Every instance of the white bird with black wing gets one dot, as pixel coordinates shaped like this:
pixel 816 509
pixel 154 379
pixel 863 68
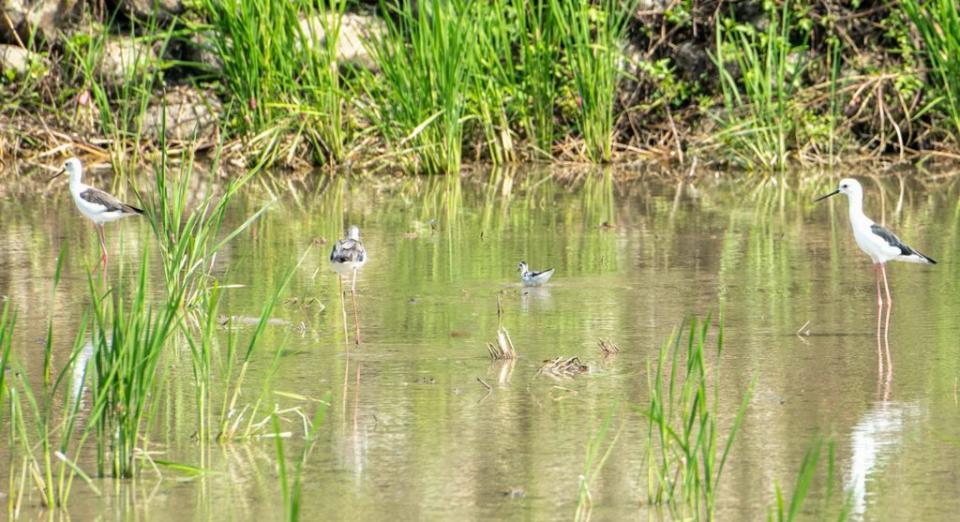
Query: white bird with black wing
pixel 530 278
pixel 99 206
pixel 879 243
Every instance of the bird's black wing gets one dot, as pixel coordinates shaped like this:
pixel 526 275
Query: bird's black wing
pixel 894 241
pixel 890 238
pixel 347 251
pixel 112 204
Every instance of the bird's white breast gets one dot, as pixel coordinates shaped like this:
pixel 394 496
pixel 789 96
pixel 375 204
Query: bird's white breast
pixel 873 245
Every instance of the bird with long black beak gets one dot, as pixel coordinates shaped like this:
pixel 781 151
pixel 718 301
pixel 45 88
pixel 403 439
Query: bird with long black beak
pixel 880 244
pixel 97 205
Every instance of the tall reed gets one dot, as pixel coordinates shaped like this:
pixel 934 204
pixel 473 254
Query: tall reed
pixel 685 458
pixel 759 122
pixel 128 339
pixel 281 73
pixel 595 35
pixel 938 22
pixel 421 99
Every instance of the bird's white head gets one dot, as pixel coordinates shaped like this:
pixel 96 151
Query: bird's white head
pixel 353 233
pixel 849 187
pixel 522 267
pixel 74 168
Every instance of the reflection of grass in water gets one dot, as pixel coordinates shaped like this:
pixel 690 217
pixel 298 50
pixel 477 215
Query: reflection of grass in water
pixel 44 433
pixel 291 493
pixel 593 463
pixel 684 462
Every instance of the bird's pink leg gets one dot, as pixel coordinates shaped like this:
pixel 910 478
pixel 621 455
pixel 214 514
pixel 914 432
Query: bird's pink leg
pixel 356 314
pixel 103 247
pixel 876 272
pixel 886 331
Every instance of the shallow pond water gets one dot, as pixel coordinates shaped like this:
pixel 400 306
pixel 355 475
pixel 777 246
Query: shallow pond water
pixel 412 433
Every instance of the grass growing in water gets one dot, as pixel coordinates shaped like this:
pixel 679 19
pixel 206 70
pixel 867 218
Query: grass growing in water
pixel 128 340
pixel 684 459
pixel 592 465
pixel 45 429
pixel 188 228
pixel 291 492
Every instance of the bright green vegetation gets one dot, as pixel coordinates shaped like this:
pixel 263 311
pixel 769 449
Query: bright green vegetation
pixel 762 115
pixel 105 397
pixel 939 24
pixel 787 510
pixel 686 452
pixel 428 86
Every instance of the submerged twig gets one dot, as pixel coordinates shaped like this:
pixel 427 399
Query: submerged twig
pixel 608 348
pixel 563 367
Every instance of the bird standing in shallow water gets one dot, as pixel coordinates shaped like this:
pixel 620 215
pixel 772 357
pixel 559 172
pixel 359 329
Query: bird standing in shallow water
pixel 529 278
pixel 99 206
pixel 348 254
pixel 880 244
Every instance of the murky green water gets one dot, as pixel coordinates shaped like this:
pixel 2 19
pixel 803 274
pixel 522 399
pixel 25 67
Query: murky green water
pixel 412 434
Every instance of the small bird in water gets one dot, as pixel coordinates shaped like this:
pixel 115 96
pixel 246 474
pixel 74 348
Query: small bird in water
pixel 533 278
pixel 99 206
pixel 348 255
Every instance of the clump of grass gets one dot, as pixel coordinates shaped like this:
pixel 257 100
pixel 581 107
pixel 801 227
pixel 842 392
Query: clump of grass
pixel 188 226
pixel 121 103
pixel 128 340
pixel 938 22
pixel 503 349
pixel 280 78
pixel 421 99
pixel 684 458
pixel 759 122
pixel 594 35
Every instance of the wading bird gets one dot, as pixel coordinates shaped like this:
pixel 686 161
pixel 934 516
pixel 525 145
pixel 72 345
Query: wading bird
pixel 99 206
pixel 879 243
pixel 533 278
pixel 349 255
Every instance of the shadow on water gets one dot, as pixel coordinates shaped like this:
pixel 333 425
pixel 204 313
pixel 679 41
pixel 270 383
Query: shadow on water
pixel 423 425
